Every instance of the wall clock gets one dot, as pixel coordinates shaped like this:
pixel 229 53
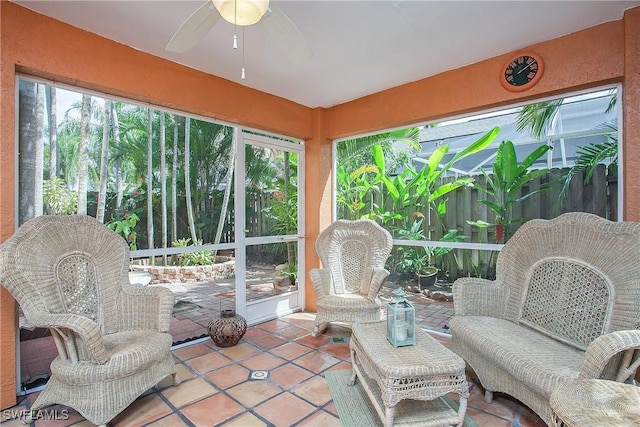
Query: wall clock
pixel 521 72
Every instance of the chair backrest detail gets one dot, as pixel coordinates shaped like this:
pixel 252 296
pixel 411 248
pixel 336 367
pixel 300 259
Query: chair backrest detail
pixel 575 266
pixel 572 314
pixel 66 264
pixel 77 282
pixel 351 250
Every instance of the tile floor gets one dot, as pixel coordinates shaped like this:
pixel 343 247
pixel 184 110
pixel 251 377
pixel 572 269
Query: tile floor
pixel 216 388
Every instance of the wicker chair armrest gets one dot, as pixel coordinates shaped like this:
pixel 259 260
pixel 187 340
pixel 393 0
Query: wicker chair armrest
pixel 479 297
pixel 604 348
pixel 84 327
pixel 321 279
pixel 150 308
pixel 377 279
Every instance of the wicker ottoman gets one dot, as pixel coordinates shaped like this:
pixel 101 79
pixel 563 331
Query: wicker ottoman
pixel 595 403
pixel 405 384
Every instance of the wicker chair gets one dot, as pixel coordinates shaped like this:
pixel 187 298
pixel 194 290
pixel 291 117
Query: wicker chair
pixel 353 255
pixel 565 304
pixel 70 274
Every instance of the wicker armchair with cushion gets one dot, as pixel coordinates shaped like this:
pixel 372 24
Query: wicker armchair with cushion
pixel 353 255
pixel 70 274
pixel 565 304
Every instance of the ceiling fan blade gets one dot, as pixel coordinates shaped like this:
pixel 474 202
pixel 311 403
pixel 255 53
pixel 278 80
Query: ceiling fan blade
pixel 284 32
pixel 194 28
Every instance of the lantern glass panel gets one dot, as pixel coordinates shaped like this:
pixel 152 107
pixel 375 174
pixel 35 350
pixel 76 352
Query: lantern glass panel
pixel 401 323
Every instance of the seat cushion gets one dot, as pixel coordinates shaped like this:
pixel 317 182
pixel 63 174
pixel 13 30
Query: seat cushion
pixel 128 352
pixel 347 301
pixel 528 355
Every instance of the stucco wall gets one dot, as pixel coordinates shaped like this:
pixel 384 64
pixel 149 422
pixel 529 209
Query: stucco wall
pixel 44 47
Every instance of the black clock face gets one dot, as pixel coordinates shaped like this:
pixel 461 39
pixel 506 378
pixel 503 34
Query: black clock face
pixel 521 70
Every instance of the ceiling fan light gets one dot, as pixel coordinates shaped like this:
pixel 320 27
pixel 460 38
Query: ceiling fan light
pixel 241 12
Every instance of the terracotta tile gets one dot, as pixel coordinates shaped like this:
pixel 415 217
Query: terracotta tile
pixel 192 351
pixel 239 351
pixel 143 411
pixel 188 392
pixel 314 390
pixel 228 376
pixel 212 410
pixel 284 409
pixel 289 375
pixel 245 420
pixel 55 416
pixel 172 420
pixel 207 362
pixel 331 408
pixel 321 419
pixel 314 342
pixel 293 332
pixel 262 361
pixel 290 350
pixel 341 365
pixel 251 393
pixel 316 361
pixel 487 420
pixel 267 342
pixel 339 350
pixel 273 325
pixel 528 418
pixel 253 333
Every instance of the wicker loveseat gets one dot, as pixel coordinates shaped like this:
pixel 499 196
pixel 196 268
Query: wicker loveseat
pixel 565 304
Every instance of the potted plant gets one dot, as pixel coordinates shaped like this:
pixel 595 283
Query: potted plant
pixel 417 259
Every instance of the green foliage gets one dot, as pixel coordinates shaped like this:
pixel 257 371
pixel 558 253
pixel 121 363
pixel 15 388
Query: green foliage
pixel 589 157
pixel 193 258
pixel 58 199
pixel 417 259
pixel 505 183
pixel 408 188
pixel 125 227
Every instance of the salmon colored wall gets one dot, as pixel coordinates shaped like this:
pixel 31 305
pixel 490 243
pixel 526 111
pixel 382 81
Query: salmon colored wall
pixel 591 57
pixel 38 45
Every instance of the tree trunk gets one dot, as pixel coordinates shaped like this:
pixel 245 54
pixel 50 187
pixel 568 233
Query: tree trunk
pixel 187 181
pixel 118 161
pixel 83 155
pixel 163 184
pixel 104 159
pixel 150 242
pixel 53 132
pixel 228 186
pixel 27 146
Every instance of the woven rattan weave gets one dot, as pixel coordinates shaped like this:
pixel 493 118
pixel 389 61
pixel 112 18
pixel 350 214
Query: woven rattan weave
pixel 353 255
pixel 70 274
pixel 405 383
pixel 565 304
pixel 595 403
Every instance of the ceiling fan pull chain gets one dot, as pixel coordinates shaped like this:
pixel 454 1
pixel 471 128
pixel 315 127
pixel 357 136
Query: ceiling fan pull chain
pixel 242 76
pixel 235 24
pixel 235 41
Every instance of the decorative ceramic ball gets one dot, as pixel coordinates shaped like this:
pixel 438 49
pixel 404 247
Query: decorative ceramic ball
pixel 228 329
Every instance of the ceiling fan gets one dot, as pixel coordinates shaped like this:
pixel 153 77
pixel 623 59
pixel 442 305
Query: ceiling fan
pixel 277 25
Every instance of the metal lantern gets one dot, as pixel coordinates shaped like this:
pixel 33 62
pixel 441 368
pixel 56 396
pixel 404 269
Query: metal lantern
pixel 401 320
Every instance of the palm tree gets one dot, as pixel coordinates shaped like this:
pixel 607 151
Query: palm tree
pixel 104 160
pixel 53 131
pixel 28 166
pixel 150 241
pixel 187 181
pixel 83 154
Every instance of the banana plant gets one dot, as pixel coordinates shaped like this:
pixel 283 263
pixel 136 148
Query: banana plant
pixel 411 187
pixel 505 183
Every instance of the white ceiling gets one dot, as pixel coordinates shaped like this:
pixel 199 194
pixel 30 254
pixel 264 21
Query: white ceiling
pixel 359 47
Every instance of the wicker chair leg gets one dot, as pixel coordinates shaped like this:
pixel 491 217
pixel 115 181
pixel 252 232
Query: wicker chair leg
pixel 176 379
pixel 488 396
pixel 319 329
